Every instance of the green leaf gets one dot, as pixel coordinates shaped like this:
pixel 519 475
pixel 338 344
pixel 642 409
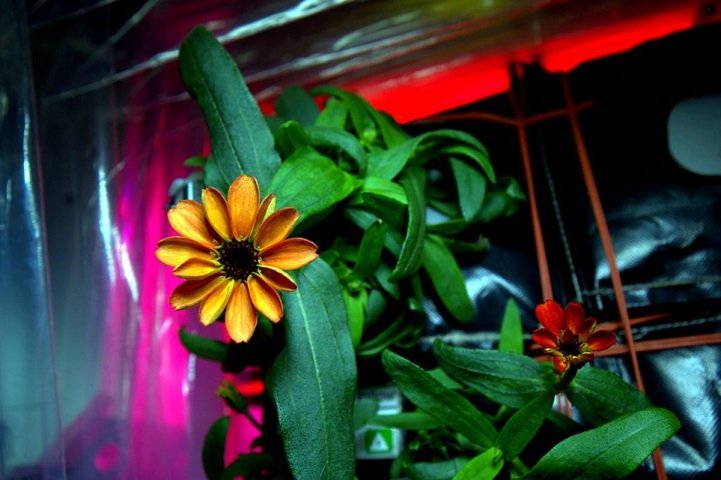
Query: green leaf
pixel 506 378
pixel 436 470
pixel 511 339
pixel 375 308
pixel 608 452
pixel 601 396
pixel 325 138
pixel 214 449
pixel 370 249
pixel 399 328
pixel 418 420
pixel 355 307
pixel 334 114
pixel 445 380
pixel 443 404
pixel 523 425
pixel 482 467
pixel 476 153
pixel 248 464
pixel 457 246
pixel 239 137
pixel 212 176
pixel 502 200
pixel 387 189
pixel 197 161
pixel 471 187
pixel 388 163
pixel 311 183
pixel 313 380
pixel 363 410
pixel 232 397
pixel 203 347
pixel 294 103
pixel 364 117
pixel 386 199
pixel 289 137
pixel 447 278
pixel 411 255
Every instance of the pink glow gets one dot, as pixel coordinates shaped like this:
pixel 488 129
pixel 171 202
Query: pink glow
pixel 107 458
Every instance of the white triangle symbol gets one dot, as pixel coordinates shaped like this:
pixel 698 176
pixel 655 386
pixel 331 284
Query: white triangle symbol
pixel 379 444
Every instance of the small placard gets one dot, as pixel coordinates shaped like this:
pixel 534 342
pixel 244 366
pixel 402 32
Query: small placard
pixel 376 442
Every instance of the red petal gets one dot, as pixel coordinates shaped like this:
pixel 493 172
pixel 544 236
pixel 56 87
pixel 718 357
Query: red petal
pixel 587 328
pixel 545 338
pixel 550 314
pixel 560 363
pixel 601 340
pixel 574 316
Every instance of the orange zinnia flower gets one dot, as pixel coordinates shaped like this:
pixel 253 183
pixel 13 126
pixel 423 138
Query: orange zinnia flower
pixel 569 336
pixel 233 256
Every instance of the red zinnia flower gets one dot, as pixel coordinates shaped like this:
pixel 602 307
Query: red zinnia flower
pixel 569 336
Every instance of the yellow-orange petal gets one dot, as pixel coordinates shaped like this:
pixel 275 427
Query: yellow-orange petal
pixel 195 269
pixel 216 210
pixel 192 292
pixel 173 251
pixel 265 298
pixel 187 218
pixel 243 199
pixel 241 317
pixel 267 207
pixel 215 302
pixel 277 278
pixel 290 254
pixel 276 227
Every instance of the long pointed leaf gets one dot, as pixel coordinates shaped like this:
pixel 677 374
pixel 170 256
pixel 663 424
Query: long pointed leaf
pixel 443 404
pixel 601 396
pixel 609 452
pixel 447 278
pixel 520 429
pixel 411 255
pixel 313 379
pixel 511 339
pixel 214 449
pixel 239 137
pixel 506 378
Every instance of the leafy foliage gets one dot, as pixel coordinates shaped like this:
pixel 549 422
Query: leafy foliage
pixel 366 192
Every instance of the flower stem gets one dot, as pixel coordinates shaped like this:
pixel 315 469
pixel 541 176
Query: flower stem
pixel 568 377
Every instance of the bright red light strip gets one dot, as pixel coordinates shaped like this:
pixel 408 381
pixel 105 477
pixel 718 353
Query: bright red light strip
pixel 419 94
pixel 565 54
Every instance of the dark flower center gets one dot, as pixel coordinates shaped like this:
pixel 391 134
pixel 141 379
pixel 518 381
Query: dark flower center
pixel 239 259
pixel 569 345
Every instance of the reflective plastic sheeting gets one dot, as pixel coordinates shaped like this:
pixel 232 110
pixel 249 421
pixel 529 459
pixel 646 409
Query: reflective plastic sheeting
pixel 29 414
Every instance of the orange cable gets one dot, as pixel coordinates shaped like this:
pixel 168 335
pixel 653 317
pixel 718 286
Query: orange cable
pixel 607 243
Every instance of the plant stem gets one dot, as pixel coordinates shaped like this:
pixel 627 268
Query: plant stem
pixel 520 466
pixel 567 377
